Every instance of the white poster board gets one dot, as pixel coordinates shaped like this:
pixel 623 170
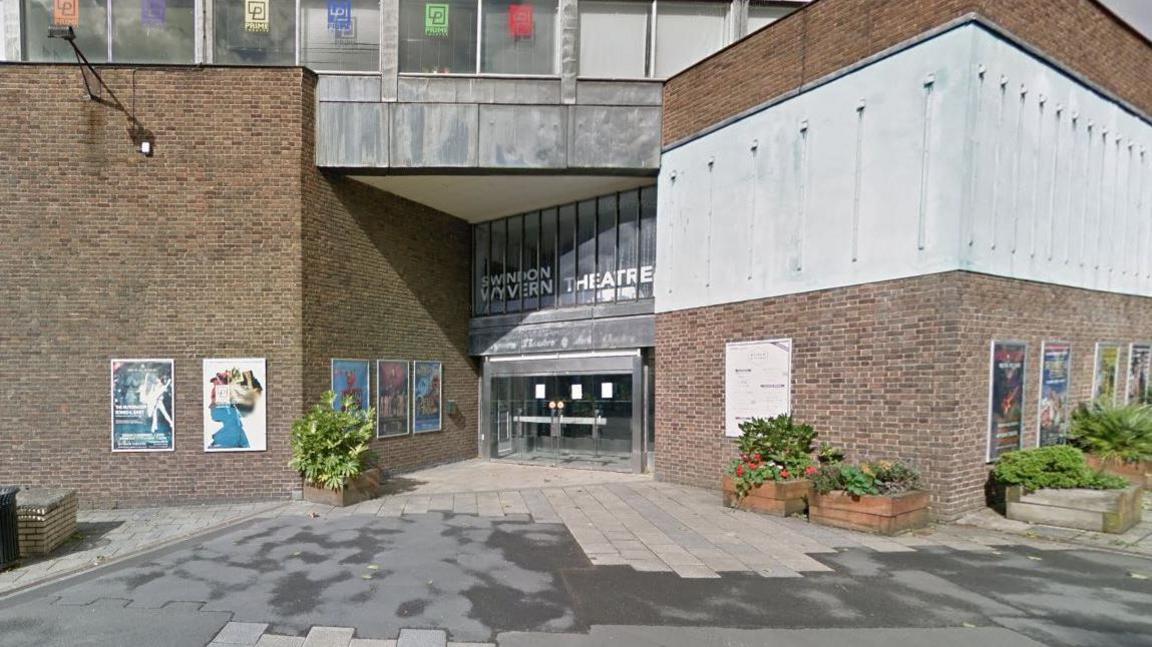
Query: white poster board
pixel 757 381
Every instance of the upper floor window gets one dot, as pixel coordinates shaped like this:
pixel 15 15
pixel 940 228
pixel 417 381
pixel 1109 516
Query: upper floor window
pixel 340 35
pixel 141 31
pixel 762 15
pixel 478 36
pixel 254 32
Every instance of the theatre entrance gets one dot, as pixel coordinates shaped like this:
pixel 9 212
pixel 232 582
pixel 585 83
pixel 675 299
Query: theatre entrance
pixel 584 411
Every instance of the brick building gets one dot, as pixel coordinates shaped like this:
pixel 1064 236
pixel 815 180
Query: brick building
pixel 569 216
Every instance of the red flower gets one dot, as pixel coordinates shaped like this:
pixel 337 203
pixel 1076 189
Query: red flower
pixel 810 470
pixel 756 457
pixel 739 470
pixel 785 474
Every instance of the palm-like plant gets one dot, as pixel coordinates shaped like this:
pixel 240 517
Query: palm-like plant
pixel 330 447
pixel 1115 433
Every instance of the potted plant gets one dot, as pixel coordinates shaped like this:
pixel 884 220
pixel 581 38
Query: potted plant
pixel 770 474
pixel 1117 439
pixel 330 450
pixel 882 497
pixel 1055 486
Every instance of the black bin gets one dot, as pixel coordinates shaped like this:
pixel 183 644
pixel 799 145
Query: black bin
pixel 9 533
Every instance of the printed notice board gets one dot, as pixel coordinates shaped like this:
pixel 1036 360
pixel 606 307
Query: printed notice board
pixel 757 381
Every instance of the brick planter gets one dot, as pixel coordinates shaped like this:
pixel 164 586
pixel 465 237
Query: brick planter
pixel 1137 473
pixel 46 519
pixel 780 499
pixel 363 488
pixel 882 515
pixel 1112 511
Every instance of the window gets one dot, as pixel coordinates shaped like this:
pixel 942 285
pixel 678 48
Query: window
pixel 614 39
pixel 687 32
pixel 760 16
pixel 153 31
pixel 91 27
pixel 341 35
pixel 438 37
pixel 519 37
pixel 245 35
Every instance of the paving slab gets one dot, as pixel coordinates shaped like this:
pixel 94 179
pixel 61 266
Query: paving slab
pixel 240 633
pixel 422 638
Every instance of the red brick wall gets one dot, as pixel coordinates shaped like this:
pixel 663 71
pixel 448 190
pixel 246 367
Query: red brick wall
pixel 894 369
pixel 828 35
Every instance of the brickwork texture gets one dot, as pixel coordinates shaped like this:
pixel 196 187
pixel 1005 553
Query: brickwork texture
pixel 894 369
pixel 200 251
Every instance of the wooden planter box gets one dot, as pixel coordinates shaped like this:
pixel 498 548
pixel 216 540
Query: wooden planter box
pixel 780 499
pixel 363 488
pixel 1113 511
pixel 45 519
pixel 1137 473
pixel 883 515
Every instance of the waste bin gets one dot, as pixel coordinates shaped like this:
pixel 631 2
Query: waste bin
pixel 9 531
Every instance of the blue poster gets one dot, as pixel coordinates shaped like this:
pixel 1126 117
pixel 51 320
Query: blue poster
pixel 142 405
pixel 426 383
pixel 340 16
pixel 1054 393
pixel 235 405
pixel 153 12
pixel 350 380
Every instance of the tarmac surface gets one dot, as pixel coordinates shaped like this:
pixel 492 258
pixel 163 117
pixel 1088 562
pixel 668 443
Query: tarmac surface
pixel 513 581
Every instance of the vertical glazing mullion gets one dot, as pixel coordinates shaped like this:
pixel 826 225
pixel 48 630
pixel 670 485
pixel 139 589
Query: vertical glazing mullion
pixel 479 32
pixel 108 26
pixel 616 247
pixel 299 26
pixel 652 41
pixel 556 281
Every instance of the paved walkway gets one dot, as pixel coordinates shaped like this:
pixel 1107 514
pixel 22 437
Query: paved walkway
pixel 107 535
pixel 1137 540
pixel 480 475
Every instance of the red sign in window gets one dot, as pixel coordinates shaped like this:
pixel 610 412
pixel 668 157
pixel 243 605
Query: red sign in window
pixel 66 13
pixel 520 20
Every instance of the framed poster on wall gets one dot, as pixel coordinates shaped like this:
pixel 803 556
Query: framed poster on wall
pixel 427 412
pixel 757 381
pixel 142 405
pixel 1055 368
pixel 1106 375
pixel 1139 387
pixel 351 378
pixel 1005 397
pixel 393 384
pixel 235 409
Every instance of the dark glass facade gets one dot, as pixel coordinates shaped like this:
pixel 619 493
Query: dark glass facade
pixel 601 250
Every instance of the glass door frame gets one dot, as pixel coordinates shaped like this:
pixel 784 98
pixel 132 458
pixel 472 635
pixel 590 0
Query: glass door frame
pixel 560 364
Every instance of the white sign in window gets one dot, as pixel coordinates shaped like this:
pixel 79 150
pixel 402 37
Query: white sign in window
pixel 757 381
pixel 577 391
pixel 541 392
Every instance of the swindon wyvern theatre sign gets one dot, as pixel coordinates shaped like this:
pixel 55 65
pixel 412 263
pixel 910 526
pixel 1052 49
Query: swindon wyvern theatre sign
pixel 504 286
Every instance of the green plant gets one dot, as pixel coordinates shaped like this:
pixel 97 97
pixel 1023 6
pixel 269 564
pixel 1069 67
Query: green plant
pixel 1058 466
pixel 893 477
pixel 829 455
pixel 879 477
pixel 329 447
pixel 1120 433
pixel 771 449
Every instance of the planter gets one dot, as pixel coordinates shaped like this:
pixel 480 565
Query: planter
pixel 47 519
pixel 1113 511
pixel 882 515
pixel 781 499
pixel 1137 473
pixel 364 487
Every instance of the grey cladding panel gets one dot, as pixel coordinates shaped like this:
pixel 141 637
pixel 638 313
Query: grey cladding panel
pixel 523 136
pixel 592 334
pixel 620 93
pixel 614 137
pixel 352 134
pixel 478 90
pixel 434 134
pixel 334 87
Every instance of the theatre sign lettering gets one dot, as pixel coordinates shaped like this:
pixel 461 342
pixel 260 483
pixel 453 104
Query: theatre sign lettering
pixel 540 282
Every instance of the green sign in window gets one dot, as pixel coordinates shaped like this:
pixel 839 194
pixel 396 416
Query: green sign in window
pixel 435 19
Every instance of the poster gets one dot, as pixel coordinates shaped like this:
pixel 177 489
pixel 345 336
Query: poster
pixel 426 392
pixel 351 378
pixel 142 412
pixel 520 21
pixel 1055 367
pixel 1107 372
pixel 340 16
pixel 1139 389
pixel 153 12
pixel 757 381
pixel 1005 419
pixel 392 388
pixel 256 16
pixel 235 405
pixel 436 20
pixel 66 13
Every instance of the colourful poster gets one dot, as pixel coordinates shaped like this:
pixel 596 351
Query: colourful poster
pixel 520 21
pixel 1139 389
pixel 351 379
pixel 235 409
pixel 436 20
pixel 1005 419
pixel 340 16
pixel 142 412
pixel 1107 373
pixel 392 387
pixel 1055 367
pixel 153 12
pixel 426 391
pixel 66 13
pixel 256 16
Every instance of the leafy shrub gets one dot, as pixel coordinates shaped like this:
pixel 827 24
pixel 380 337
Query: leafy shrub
pixel 772 449
pixel 879 477
pixel 894 477
pixel 329 447
pixel 1058 466
pixel 1120 433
